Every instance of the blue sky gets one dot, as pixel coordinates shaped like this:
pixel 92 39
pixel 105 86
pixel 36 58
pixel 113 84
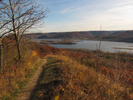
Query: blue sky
pixel 86 15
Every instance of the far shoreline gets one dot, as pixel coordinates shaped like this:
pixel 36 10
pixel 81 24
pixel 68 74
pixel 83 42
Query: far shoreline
pixel 83 39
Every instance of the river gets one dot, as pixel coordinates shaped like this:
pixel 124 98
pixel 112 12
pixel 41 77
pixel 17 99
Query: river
pixel 93 45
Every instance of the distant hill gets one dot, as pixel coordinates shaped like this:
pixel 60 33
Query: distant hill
pixel 127 40
pixel 124 36
pixel 100 32
pixel 85 34
pixel 33 35
pixel 73 35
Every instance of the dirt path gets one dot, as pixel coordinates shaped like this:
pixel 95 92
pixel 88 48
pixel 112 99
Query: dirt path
pixel 26 92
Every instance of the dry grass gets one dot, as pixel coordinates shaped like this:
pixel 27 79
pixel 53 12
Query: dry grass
pixel 16 74
pixel 79 82
pixel 85 83
pixel 13 80
pixel 73 76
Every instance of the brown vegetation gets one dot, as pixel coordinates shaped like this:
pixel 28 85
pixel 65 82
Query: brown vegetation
pixel 73 81
pixel 69 74
pixel 57 42
pixel 16 73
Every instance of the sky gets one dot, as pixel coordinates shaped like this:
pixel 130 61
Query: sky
pixel 87 15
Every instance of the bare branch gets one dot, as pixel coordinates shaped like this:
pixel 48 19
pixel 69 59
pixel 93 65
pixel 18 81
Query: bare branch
pixel 18 16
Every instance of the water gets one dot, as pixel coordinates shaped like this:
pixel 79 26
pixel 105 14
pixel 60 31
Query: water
pixel 93 45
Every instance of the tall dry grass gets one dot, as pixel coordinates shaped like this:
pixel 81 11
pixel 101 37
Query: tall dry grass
pixel 81 82
pixel 16 72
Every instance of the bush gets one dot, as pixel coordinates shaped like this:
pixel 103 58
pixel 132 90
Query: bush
pixel 88 62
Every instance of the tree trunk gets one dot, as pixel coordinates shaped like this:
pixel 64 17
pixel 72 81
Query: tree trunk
pixel 1 54
pixel 14 29
pixel 18 48
pixel 19 55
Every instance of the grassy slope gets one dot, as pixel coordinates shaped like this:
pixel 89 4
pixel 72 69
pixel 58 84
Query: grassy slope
pixel 65 79
pixel 69 75
pixel 16 73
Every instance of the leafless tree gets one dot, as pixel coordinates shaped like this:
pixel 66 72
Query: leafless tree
pixel 18 16
pixel 98 49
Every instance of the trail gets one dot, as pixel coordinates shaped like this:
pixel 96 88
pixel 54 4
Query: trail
pixel 29 88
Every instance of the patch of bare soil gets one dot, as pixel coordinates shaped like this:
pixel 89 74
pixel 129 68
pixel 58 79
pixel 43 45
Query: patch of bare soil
pixel 29 88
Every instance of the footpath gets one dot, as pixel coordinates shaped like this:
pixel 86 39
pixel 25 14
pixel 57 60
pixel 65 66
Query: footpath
pixel 29 88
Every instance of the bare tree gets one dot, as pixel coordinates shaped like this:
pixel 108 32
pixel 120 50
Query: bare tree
pixel 18 16
pixel 21 15
pixel 3 25
pixel 98 49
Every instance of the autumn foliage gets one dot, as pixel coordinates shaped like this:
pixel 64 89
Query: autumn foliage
pixel 79 68
pixel 89 59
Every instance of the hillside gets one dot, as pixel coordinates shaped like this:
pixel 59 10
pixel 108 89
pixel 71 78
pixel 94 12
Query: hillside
pixel 72 74
pixel 127 40
pixel 87 34
pixel 121 36
pixel 80 34
pixel 32 35
pixel 72 79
